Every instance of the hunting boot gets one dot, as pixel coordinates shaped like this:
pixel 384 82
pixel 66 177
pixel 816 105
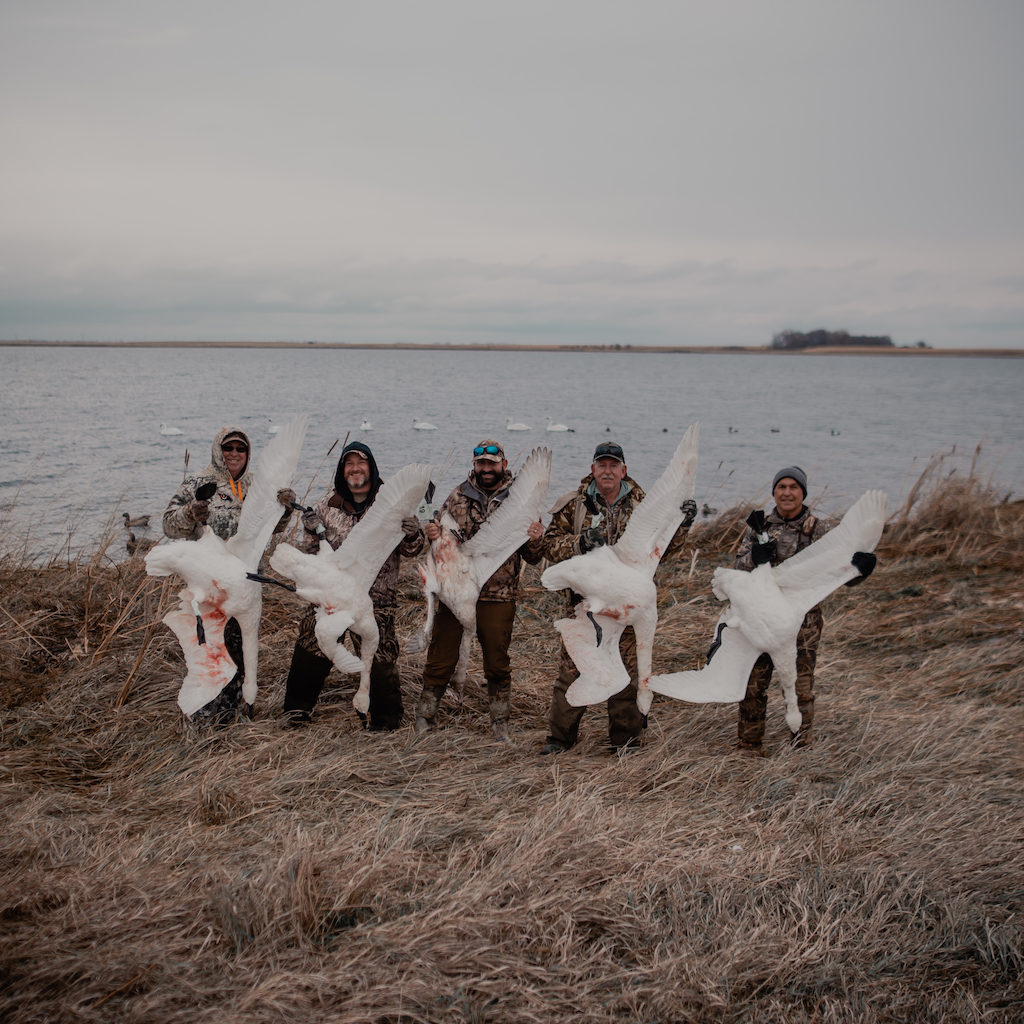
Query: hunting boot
pixel 306 677
pixel 426 709
pixel 499 718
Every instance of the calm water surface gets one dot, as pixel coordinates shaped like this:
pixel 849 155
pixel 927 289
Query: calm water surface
pixel 80 428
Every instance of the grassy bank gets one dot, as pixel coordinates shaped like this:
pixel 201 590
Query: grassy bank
pixel 154 873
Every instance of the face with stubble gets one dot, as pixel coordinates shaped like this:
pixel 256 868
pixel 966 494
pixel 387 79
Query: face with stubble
pixel 489 474
pixel 357 474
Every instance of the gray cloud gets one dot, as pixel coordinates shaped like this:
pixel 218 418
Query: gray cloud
pixel 660 172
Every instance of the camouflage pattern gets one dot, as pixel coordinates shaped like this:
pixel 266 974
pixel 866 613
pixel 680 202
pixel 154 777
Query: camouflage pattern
pixel 310 667
pixel 225 509
pixel 790 536
pixel 572 514
pixel 470 506
pixel 225 505
pixel 339 522
pixel 754 706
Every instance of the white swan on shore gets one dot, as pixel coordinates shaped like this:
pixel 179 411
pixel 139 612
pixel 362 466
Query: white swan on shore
pixel 617 585
pixel 217 586
pixel 767 607
pixel 455 573
pixel 338 581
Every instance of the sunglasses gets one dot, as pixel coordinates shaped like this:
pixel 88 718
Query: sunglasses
pixel 234 448
pixel 487 449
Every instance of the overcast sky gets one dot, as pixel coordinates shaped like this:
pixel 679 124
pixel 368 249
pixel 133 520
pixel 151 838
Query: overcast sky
pixel 689 172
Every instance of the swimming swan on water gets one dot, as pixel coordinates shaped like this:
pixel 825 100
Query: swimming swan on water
pixel 455 573
pixel 217 584
pixel 422 425
pixel 553 427
pixel 767 606
pixel 338 581
pixel 168 431
pixel 617 585
pixel 509 425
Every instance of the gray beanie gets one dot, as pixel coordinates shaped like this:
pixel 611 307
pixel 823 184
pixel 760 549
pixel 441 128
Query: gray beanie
pixel 794 473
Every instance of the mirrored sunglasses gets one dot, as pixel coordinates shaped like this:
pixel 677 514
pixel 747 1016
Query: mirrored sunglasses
pixel 487 449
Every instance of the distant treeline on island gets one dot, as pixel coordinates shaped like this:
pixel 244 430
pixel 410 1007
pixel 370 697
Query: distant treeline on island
pixel 828 339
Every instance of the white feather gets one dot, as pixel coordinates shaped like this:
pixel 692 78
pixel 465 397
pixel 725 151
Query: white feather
pixel 214 572
pixel 767 607
pixel 455 573
pixel 338 581
pixel 617 585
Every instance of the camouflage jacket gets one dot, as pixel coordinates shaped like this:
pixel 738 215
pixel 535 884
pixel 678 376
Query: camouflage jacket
pixel 790 536
pixel 585 508
pixel 339 522
pixel 470 506
pixel 225 505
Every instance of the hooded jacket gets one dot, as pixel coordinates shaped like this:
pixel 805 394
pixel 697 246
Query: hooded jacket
pixel 225 505
pixel 339 512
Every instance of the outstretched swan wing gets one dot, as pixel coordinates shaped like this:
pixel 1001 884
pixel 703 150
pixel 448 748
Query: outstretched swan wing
pixel 722 680
pixel 817 570
pixel 379 532
pixel 261 511
pixel 506 529
pixel 655 520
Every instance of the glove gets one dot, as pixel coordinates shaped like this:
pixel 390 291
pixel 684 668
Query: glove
pixel 198 511
pixel 590 539
pixel 756 520
pixel 312 523
pixel 410 526
pixel 286 496
pixel 689 510
pixel 762 554
pixel 864 562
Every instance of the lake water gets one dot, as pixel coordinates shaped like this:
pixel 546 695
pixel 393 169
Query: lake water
pixel 80 427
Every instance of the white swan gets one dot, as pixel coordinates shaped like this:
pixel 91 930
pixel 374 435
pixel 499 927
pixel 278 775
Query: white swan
pixel 366 424
pixel 767 607
pixel 509 425
pixel 455 573
pixel 552 427
pixel 618 590
pixel 168 431
pixel 338 581
pixel 217 586
pixel 422 425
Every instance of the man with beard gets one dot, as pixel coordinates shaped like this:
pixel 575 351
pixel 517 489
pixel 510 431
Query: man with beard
pixel 470 504
pixel 333 518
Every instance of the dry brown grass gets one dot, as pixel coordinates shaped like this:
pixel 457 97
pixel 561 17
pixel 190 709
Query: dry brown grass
pixel 153 873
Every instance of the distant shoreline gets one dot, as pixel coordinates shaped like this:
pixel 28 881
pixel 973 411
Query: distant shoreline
pixel 1010 353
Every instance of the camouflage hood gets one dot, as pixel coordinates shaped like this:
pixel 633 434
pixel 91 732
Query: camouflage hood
pixel 217 468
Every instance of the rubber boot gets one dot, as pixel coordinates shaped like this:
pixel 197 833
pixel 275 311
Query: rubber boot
pixel 426 709
pixel 499 718
pixel 305 681
pixel 385 697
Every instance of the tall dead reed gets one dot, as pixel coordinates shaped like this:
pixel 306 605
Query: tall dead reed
pixel 153 872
